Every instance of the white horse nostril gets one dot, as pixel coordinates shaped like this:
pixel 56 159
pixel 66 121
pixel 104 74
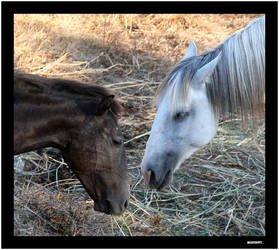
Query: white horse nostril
pixel 126 204
pixel 146 175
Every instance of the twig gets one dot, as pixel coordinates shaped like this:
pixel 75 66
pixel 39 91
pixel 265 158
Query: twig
pixel 137 137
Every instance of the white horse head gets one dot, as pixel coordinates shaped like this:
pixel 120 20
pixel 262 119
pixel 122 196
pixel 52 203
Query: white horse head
pixel 227 79
pixel 179 128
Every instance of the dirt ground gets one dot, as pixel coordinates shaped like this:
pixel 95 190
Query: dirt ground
pixel 219 190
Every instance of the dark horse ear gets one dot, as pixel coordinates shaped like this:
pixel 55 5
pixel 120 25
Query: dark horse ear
pixel 105 104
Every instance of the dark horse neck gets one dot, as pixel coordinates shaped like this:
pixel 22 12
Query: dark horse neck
pixel 42 121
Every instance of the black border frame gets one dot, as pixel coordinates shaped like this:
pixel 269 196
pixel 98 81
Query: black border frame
pixel 269 8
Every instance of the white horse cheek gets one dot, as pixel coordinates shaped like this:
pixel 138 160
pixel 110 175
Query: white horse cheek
pixel 185 146
pixel 205 125
pixel 201 126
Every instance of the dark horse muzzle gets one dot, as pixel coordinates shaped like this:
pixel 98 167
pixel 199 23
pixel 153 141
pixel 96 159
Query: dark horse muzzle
pixel 107 200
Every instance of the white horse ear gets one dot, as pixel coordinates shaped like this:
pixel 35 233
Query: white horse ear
pixel 192 50
pixel 203 74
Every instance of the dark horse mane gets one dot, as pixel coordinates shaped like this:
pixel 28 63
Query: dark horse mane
pixel 64 88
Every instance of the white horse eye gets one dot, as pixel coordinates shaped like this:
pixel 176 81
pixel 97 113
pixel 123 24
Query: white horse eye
pixel 181 115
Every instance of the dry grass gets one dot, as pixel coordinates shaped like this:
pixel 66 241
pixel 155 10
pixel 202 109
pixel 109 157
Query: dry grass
pixel 219 191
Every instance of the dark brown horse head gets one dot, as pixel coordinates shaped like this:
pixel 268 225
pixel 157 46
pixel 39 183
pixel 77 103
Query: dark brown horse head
pixel 82 121
pixel 97 157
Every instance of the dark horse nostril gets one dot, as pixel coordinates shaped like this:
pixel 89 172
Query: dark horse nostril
pixel 108 207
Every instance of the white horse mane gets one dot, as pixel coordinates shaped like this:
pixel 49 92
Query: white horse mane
pixel 238 82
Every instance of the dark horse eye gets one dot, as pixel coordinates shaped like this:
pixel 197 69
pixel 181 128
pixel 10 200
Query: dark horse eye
pixel 117 140
pixel 181 115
